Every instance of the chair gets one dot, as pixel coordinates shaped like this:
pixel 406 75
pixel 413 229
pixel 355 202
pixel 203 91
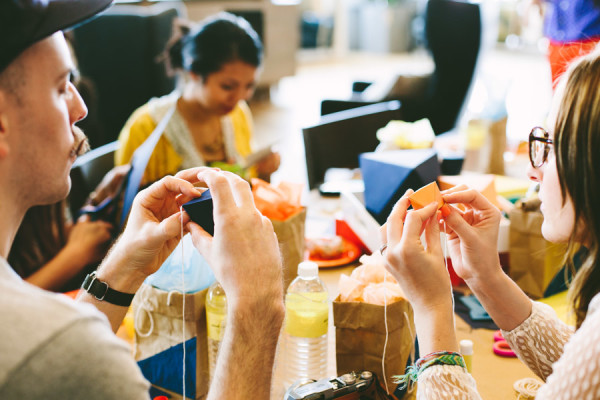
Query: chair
pixel 87 172
pixel 339 138
pixel 118 53
pixel 453 35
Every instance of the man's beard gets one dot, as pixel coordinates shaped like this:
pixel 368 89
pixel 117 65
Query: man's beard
pixel 81 142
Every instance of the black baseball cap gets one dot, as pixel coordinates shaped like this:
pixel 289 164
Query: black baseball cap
pixel 24 22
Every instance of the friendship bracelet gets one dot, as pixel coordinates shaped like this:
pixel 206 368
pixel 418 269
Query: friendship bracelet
pixel 435 358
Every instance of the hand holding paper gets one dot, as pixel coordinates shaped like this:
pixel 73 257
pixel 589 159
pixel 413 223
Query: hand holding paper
pixel 429 194
pixel 473 234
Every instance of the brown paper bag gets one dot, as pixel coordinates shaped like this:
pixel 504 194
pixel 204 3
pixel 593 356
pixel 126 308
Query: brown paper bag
pixel 533 260
pixel 290 235
pixel 158 322
pixel 360 337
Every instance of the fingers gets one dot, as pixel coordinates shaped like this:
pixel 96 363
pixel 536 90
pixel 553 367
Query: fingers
pixel 191 175
pixel 432 235
pixel 395 223
pixel 413 225
pixel 171 226
pixel 454 189
pixel 469 197
pixel 168 186
pixel 220 190
pixel 228 190
pixel 383 233
pixel 457 223
pixel 202 240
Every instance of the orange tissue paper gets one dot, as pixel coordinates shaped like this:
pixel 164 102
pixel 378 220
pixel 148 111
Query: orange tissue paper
pixel 277 202
pixel 370 283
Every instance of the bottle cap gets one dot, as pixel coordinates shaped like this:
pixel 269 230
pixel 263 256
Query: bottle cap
pixel 308 269
pixel 466 347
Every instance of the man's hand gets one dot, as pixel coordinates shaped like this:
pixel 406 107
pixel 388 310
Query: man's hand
pixel 244 255
pixel 244 252
pixel 153 231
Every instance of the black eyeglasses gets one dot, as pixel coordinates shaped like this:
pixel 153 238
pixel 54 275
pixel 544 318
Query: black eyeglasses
pixel 539 146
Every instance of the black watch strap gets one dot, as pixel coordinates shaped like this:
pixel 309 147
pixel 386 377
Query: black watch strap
pixel 102 292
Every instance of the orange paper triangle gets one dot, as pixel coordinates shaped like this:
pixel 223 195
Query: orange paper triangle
pixel 427 195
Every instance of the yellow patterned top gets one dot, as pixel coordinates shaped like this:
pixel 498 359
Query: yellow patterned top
pixel 176 149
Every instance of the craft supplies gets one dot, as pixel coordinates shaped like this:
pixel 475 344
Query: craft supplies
pixel 466 349
pixel 527 388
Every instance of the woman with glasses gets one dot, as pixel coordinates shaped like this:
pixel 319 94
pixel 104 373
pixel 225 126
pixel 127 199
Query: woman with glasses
pixel 565 164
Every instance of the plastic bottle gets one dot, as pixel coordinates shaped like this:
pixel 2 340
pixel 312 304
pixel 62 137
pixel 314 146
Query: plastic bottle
pixel 466 349
pixel 216 315
pixel 306 325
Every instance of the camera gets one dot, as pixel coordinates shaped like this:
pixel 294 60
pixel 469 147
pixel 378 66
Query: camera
pixel 354 385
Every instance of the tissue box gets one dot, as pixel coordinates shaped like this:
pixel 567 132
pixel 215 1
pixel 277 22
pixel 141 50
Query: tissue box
pixel 388 174
pixel 364 226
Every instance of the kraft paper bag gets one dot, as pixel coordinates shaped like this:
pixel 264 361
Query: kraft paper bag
pixel 533 260
pixel 360 338
pixel 290 235
pixel 158 321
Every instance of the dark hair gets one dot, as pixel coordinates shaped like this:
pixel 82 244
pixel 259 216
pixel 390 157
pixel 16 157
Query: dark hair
pixel 12 80
pixel 577 140
pixel 39 239
pixel 217 40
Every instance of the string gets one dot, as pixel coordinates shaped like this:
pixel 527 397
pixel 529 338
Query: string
pixel 386 332
pixel 527 388
pixel 183 294
pixel 446 264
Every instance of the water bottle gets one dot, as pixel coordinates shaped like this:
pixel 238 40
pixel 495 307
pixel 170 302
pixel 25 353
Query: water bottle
pixel 216 315
pixel 306 325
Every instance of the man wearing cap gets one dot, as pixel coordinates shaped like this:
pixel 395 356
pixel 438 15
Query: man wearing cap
pixel 52 347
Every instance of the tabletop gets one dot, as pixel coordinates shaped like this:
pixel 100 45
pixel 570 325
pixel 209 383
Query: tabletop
pixel 495 375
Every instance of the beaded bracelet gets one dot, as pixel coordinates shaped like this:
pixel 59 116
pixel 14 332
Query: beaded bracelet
pixel 435 358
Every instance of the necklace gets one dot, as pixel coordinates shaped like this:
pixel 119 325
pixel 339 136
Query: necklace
pixel 213 146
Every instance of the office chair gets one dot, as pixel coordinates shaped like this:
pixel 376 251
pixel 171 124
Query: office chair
pixel 117 52
pixel 453 36
pixel 339 138
pixel 87 172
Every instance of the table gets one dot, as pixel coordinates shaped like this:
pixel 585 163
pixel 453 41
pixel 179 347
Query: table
pixel 494 375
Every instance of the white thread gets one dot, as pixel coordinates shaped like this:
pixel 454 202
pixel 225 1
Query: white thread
pixel 446 264
pixel 183 294
pixel 527 388
pixel 136 324
pixel 386 332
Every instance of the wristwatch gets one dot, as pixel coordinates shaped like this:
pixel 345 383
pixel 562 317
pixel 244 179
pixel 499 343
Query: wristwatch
pixel 102 292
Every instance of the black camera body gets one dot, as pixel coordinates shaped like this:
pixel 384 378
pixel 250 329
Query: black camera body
pixel 354 385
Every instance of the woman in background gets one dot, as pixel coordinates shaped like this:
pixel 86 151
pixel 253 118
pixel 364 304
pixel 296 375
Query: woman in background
pixel 54 254
pixel 218 62
pixel 565 164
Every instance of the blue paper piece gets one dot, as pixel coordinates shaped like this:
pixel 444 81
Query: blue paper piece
pixel 476 310
pixel 388 174
pixel 200 211
pixel 165 369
